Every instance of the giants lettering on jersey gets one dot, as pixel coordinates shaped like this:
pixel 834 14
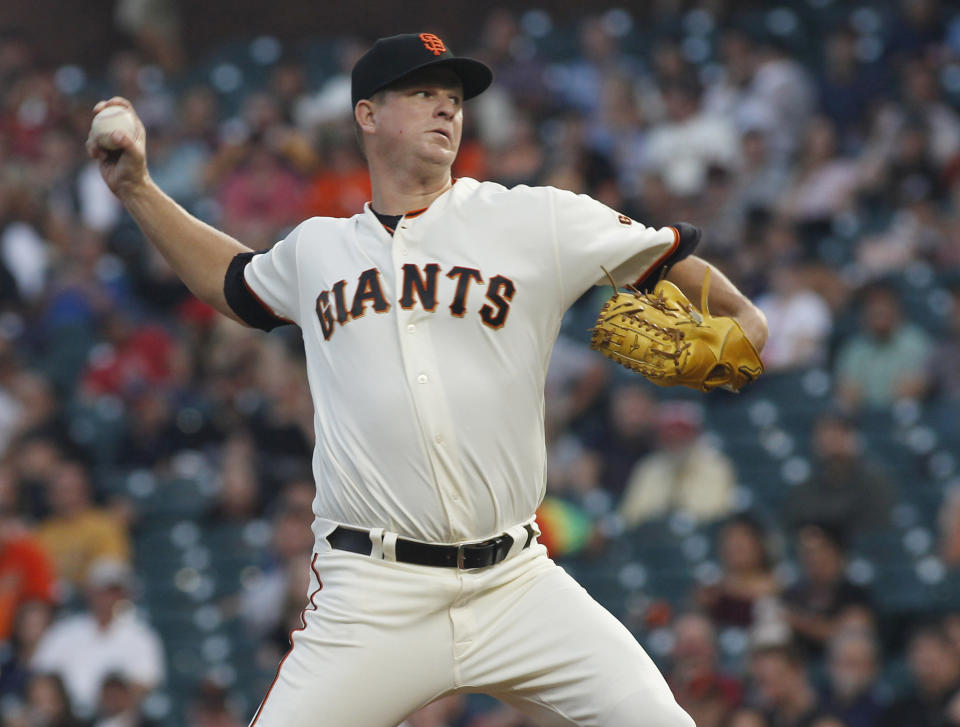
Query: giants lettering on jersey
pixel 419 286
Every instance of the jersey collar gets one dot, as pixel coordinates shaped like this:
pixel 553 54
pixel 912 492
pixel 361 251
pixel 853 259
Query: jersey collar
pixel 371 218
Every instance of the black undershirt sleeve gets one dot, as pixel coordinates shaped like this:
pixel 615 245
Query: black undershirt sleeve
pixel 689 239
pixel 250 309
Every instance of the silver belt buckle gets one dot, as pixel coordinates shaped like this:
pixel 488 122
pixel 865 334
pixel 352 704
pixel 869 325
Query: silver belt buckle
pixel 460 557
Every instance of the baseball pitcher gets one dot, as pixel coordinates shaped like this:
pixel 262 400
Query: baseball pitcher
pixel 428 320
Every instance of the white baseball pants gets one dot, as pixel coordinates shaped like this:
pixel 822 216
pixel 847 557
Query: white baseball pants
pixel 380 639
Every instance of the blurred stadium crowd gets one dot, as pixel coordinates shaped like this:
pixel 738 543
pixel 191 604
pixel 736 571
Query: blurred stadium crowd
pixel 790 556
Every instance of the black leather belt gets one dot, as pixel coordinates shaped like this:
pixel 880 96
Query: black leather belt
pixel 465 557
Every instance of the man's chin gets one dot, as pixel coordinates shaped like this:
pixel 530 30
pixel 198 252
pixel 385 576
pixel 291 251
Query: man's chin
pixel 441 156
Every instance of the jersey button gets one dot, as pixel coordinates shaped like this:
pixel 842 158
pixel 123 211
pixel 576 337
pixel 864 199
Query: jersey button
pixel 422 378
pixel 411 328
pixel 438 439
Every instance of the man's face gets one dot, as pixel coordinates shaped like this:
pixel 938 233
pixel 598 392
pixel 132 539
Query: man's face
pixel 881 314
pixel 852 667
pixel 420 116
pixel 774 677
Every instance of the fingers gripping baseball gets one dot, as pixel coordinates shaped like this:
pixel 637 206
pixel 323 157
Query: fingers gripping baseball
pixel 118 142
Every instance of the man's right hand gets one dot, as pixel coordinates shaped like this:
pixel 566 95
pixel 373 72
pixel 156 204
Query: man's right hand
pixel 124 169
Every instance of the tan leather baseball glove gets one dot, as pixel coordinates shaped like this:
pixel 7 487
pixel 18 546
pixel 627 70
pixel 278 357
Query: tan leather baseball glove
pixel 663 336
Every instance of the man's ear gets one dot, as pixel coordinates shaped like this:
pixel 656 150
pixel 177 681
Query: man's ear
pixel 364 114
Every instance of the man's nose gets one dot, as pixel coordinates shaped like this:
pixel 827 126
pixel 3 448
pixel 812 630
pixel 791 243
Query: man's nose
pixel 446 108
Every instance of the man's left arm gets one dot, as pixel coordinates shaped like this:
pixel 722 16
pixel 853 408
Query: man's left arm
pixel 724 298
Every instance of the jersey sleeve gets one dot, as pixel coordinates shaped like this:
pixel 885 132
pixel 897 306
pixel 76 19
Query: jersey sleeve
pixel 263 287
pixel 591 237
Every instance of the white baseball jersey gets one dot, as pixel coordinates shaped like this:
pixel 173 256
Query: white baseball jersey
pixel 427 350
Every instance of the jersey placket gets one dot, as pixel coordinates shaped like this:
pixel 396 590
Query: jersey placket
pixel 423 378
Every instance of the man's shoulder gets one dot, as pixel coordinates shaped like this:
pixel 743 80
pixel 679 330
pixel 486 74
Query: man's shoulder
pixel 70 629
pixel 317 230
pixel 468 188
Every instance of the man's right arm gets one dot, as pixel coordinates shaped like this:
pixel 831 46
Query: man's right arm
pixel 197 252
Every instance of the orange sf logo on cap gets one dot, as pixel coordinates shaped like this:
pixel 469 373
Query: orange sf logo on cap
pixel 433 44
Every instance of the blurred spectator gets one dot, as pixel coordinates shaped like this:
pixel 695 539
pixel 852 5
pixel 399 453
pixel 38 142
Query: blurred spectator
pixel 847 86
pixel 132 357
pixel 33 460
pixel 799 320
pixel 130 76
pixel 77 533
pixel 915 26
pixel 210 707
pixel 46 704
pixel 823 183
pixel 747 716
pixel 852 668
pixel 916 232
pixel 820 600
pixel 156 27
pixel 517 79
pixel 119 705
pixel 24 254
pixel 108 638
pixel 31 621
pixel 270 603
pixel 934 699
pixel 762 87
pixel 520 160
pixel 827 720
pixel 720 212
pixel 781 93
pixel 447 711
pixel 178 155
pixel 626 435
pixel 342 185
pixel 26 570
pixel 260 197
pixel 783 686
pixel 579 83
pixel 945 361
pixel 685 474
pixel 923 100
pixel 238 496
pixel 845 491
pixel 156 429
pixel 748 578
pixel 700 687
pixel 619 132
pixel 575 165
pixel 576 379
pixel 907 171
pixel 332 102
pixel 760 178
pixel 948 520
pixel 689 142
pixel 888 359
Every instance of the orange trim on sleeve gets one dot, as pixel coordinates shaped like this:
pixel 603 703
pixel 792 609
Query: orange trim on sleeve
pixel 662 259
pixel 256 297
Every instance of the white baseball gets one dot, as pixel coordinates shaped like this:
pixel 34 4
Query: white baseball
pixel 110 119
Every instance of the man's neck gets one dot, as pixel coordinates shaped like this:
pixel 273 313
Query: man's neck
pixel 398 194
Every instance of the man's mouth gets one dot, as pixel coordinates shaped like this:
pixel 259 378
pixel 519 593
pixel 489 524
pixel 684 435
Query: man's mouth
pixel 444 132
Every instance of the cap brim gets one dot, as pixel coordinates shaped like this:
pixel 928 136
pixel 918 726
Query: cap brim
pixel 475 76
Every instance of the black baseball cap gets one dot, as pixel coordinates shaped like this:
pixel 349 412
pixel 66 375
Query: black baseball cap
pixel 390 59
